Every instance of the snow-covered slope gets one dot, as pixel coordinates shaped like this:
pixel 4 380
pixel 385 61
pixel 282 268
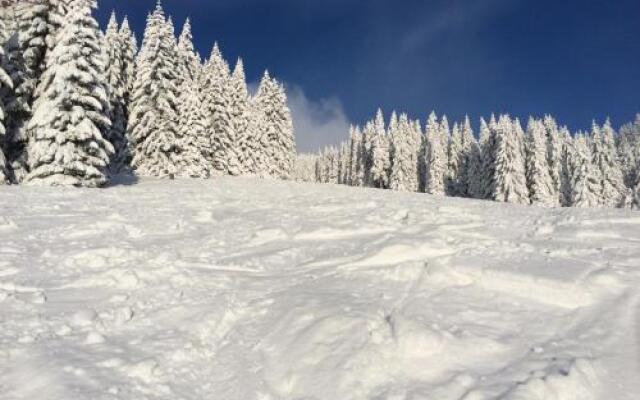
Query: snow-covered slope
pixel 240 289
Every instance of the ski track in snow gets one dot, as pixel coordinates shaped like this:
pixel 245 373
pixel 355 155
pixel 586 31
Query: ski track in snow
pixel 241 289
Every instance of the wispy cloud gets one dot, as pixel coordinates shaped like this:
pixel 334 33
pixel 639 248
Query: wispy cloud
pixel 317 123
pixel 451 16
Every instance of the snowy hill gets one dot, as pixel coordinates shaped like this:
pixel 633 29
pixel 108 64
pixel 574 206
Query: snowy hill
pixel 240 289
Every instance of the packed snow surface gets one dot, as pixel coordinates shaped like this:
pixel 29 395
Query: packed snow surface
pixel 241 289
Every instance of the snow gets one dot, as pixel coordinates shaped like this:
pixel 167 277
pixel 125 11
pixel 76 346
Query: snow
pixel 255 289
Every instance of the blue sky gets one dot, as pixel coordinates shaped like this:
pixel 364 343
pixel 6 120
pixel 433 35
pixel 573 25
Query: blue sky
pixel 341 59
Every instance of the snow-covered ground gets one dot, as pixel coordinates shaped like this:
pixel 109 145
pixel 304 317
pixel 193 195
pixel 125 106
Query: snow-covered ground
pixel 239 289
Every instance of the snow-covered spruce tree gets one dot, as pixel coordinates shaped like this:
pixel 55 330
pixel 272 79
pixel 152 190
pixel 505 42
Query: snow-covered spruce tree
pixel 565 175
pixel 508 181
pixel 129 49
pixel 381 162
pixel 355 171
pixel 6 85
pixel 605 159
pixel 635 203
pixel 192 133
pixel 539 181
pixel 471 160
pixel 417 139
pixel 238 153
pixel 189 63
pixel 482 181
pixel 368 137
pixel 71 114
pixel 153 121
pixel 117 87
pixel 271 100
pixel 214 81
pixel 402 167
pixel 585 184
pixel 554 154
pixel 25 57
pixel 343 165
pixel 455 161
pixel 629 151
pixel 435 157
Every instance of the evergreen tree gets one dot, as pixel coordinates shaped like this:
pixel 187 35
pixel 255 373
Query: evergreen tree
pixel 629 152
pixel 402 168
pixel 117 88
pixel 380 160
pixel 565 177
pixel 636 192
pixel 71 115
pixel 214 83
pixel 355 173
pixel 435 156
pixel 470 171
pixel 192 133
pixel 508 181
pixel 153 118
pixel 189 62
pixel 482 184
pixel 6 85
pixel 539 181
pixel 554 154
pixel 585 185
pixel 455 158
pixel 129 49
pixel 237 152
pixel 613 191
pixel 271 100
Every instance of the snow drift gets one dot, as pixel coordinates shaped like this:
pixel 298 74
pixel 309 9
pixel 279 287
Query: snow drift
pixel 243 289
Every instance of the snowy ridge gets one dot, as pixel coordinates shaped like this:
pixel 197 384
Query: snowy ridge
pixel 251 289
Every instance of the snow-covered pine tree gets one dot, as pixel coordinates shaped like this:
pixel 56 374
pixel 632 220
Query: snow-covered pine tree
pixel 554 154
pixel 117 87
pixel 470 172
pixel 435 157
pixel 71 114
pixel 380 161
pixel 25 56
pixel 629 151
pixel 277 128
pixel 635 203
pixel 192 133
pixel 539 181
pixel 129 48
pixel 455 161
pixel 343 164
pixel 153 118
pixel 402 167
pixel 508 181
pixel 189 63
pixel 238 156
pixel 565 175
pixel 6 85
pixel 355 154
pixel 368 137
pixel 214 82
pixel 417 139
pixel 585 184
pixel 605 159
pixel 482 183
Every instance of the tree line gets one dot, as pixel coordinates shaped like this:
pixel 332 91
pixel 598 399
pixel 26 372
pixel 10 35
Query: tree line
pixel 541 164
pixel 78 105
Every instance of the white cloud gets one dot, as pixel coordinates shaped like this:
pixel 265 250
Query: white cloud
pixel 316 123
